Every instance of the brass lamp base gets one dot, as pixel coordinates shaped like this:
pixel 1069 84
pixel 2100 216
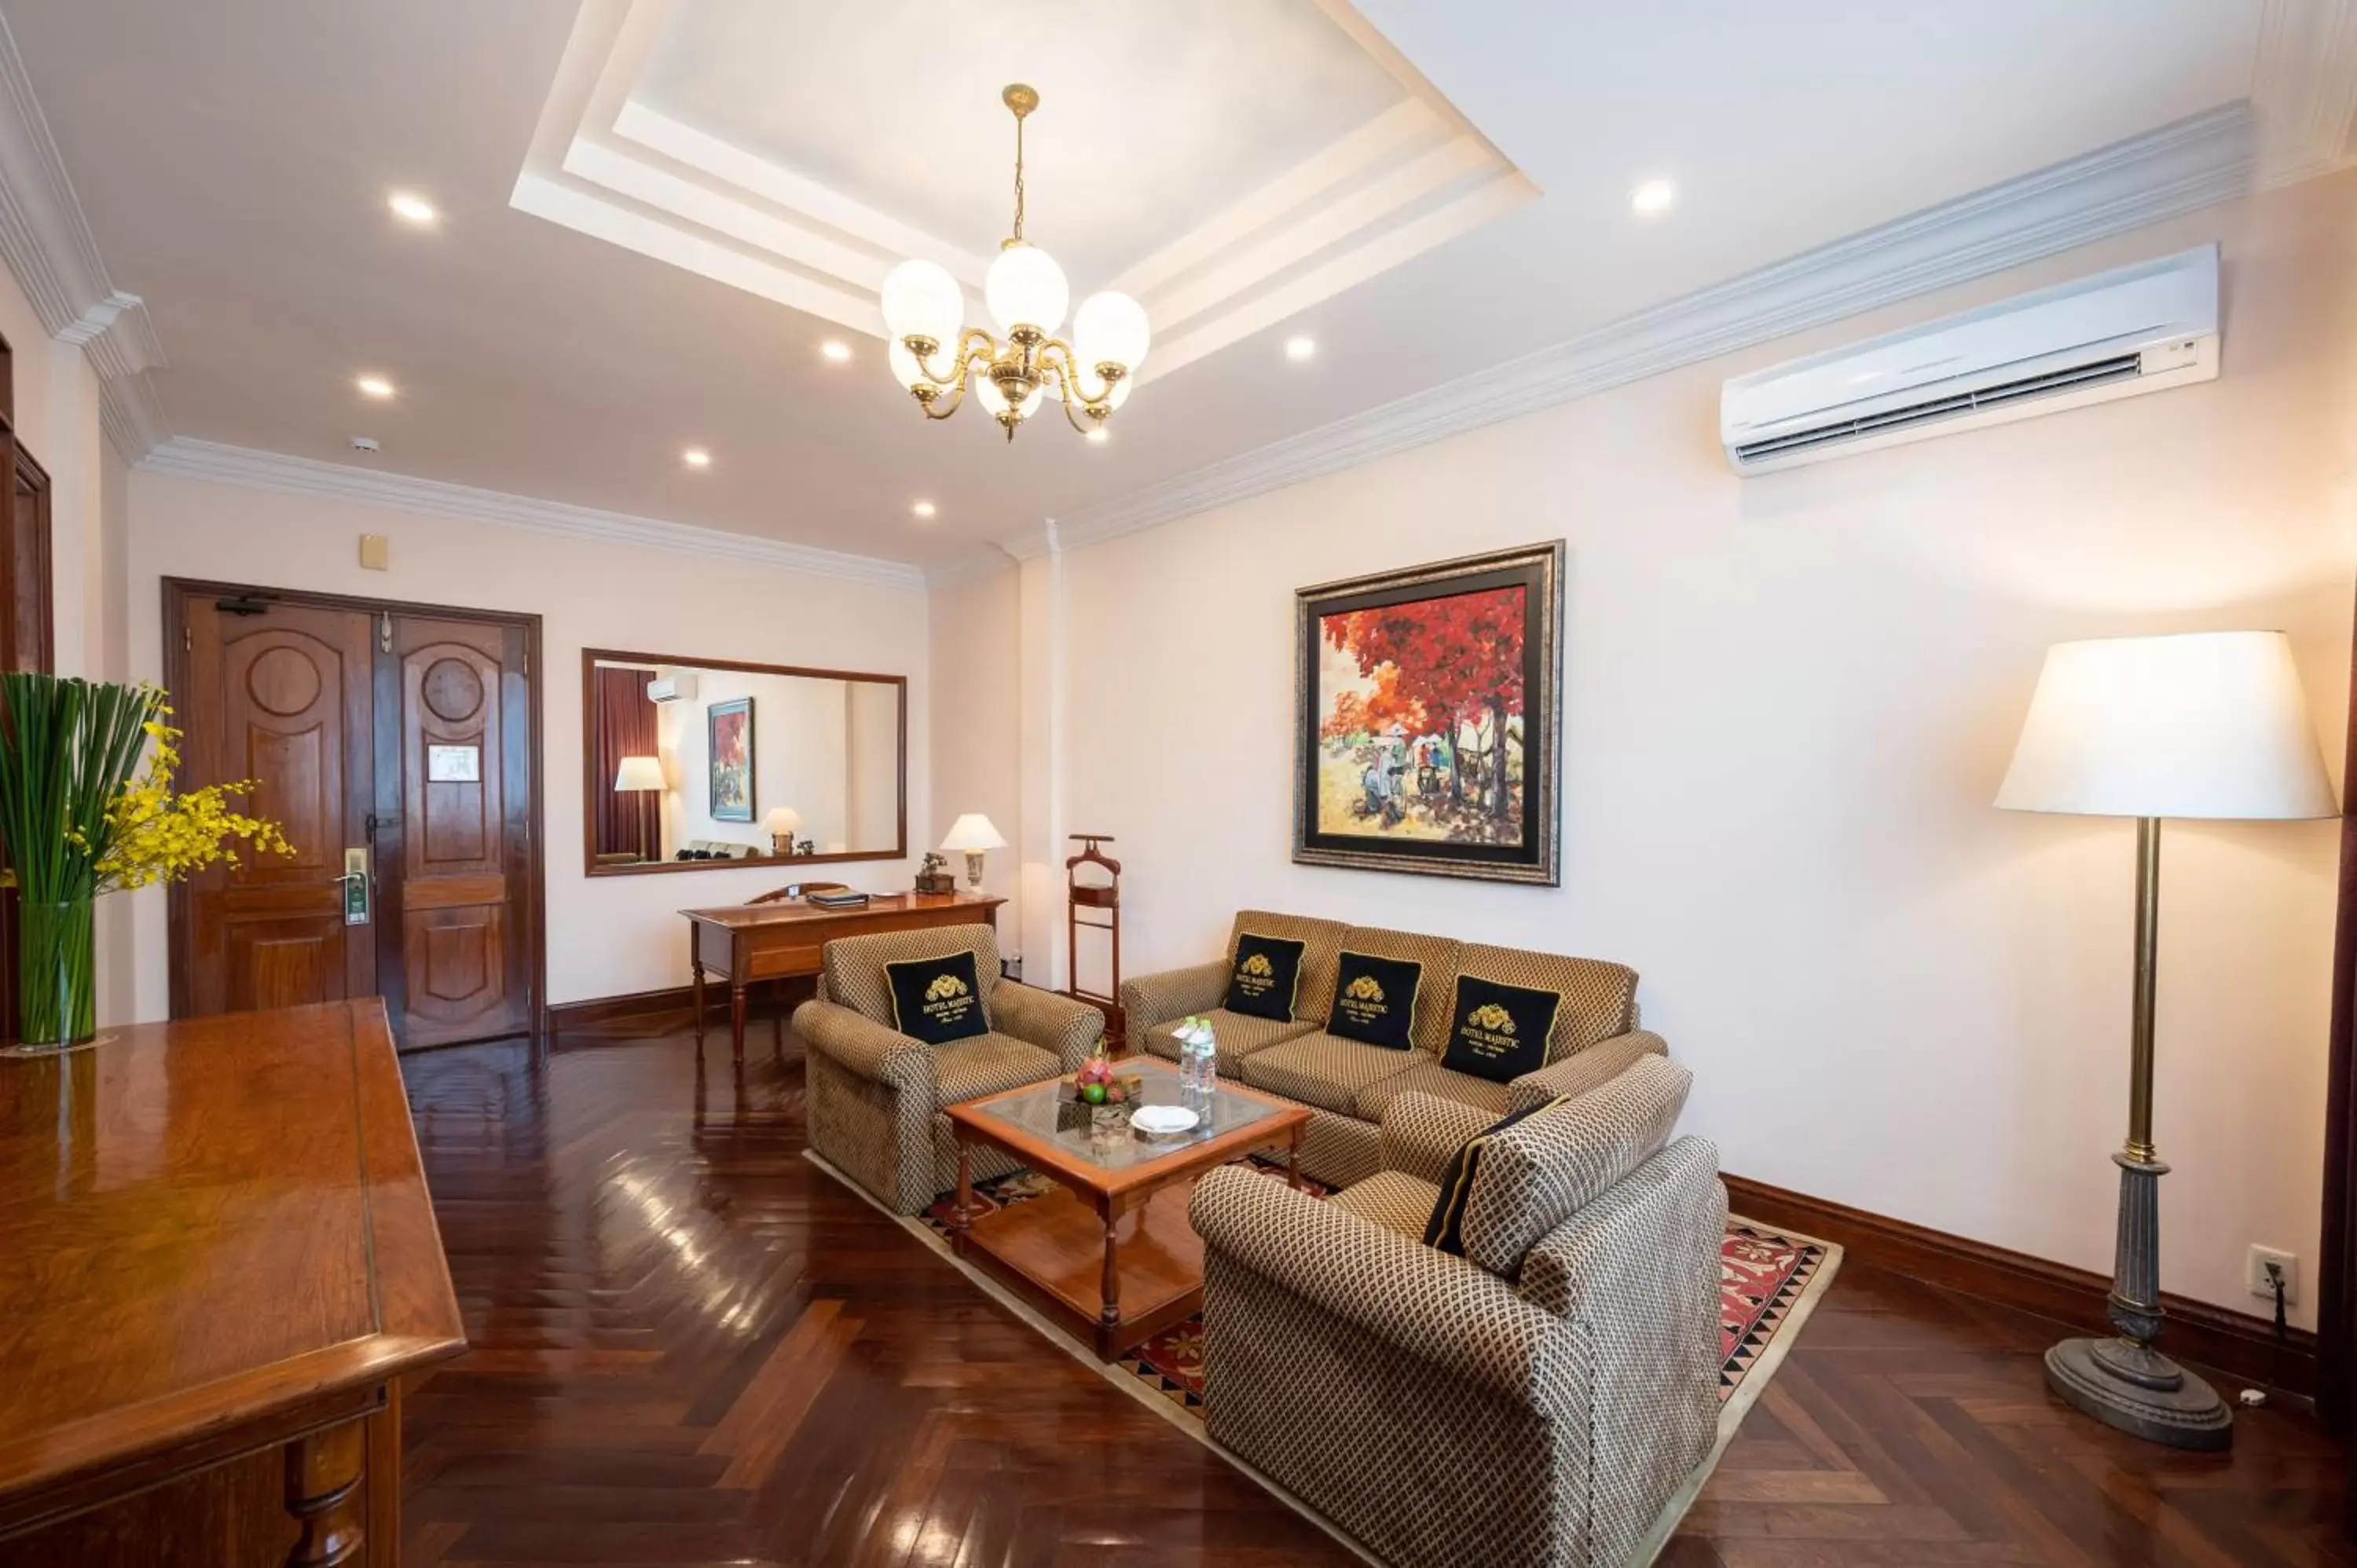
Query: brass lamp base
pixel 2141 1391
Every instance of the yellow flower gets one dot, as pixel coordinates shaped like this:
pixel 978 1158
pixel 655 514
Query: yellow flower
pixel 160 836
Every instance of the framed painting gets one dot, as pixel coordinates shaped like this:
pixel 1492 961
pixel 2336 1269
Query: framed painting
pixel 729 734
pixel 1427 718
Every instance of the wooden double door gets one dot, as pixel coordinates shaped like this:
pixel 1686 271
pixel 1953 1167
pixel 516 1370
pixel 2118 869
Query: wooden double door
pixel 395 748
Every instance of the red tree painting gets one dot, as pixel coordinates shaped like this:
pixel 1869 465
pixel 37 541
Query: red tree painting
pixel 1422 728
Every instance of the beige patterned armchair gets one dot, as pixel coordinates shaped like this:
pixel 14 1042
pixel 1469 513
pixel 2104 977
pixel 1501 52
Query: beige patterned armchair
pixel 1531 1404
pixel 876 1095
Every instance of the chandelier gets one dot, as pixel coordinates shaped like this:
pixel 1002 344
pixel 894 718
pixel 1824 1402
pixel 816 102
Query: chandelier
pixel 924 311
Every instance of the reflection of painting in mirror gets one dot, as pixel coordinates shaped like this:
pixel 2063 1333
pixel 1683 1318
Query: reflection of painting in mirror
pixel 729 748
pixel 824 746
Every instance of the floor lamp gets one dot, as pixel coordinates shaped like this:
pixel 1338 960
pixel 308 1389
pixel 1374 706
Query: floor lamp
pixel 2209 725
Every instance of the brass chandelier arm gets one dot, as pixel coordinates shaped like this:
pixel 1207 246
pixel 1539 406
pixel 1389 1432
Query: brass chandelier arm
pixel 975 345
pixel 1057 356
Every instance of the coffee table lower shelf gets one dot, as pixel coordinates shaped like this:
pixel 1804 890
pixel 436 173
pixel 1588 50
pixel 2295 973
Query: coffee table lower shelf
pixel 1057 1255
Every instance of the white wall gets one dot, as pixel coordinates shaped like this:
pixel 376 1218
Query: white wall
pixel 975 727
pixel 1788 703
pixel 607 935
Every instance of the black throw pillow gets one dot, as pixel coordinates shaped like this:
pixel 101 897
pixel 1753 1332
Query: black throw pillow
pixel 1445 1229
pixel 1499 1031
pixel 937 1000
pixel 1374 1000
pixel 1268 972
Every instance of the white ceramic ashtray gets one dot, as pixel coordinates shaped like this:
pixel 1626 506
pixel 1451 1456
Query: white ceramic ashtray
pixel 1163 1118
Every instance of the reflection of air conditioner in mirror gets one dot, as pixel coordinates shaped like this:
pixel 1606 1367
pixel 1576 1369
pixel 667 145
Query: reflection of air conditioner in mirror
pixel 2136 329
pixel 672 686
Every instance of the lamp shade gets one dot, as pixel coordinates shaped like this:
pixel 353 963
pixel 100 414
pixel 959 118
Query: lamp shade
pixel 639 773
pixel 922 300
pixel 972 832
pixel 2203 724
pixel 1025 287
pixel 779 821
pixel 1111 326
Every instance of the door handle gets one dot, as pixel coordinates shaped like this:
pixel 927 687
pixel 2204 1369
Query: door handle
pixel 359 885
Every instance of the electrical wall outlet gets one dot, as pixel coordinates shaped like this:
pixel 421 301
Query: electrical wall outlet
pixel 2287 1262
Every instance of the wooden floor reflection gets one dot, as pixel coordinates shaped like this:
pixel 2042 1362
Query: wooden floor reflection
pixel 691 1347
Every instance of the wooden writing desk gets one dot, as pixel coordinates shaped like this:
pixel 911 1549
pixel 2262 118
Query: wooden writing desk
pixel 745 942
pixel 217 1260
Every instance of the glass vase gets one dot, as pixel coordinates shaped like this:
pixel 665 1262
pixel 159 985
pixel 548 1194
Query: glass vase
pixel 56 998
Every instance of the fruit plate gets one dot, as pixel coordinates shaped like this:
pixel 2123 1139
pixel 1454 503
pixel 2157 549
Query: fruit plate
pixel 1163 1118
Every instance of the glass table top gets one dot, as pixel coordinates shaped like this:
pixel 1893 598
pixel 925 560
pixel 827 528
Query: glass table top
pixel 1072 1125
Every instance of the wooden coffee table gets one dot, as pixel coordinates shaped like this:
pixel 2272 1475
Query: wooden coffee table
pixel 1110 1256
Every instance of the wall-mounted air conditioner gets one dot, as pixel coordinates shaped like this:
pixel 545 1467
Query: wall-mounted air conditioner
pixel 671 685
pixel 2137 330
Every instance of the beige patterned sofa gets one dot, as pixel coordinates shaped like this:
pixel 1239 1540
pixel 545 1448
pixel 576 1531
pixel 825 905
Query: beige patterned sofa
pixel 1532 1403
pixel 876 1095
pixel 1347 1085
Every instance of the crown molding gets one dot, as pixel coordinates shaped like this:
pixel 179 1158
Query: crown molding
pixel 2178 168
pixel 47 242
pixel 969 565
pixel 2304 88
pixel 228 464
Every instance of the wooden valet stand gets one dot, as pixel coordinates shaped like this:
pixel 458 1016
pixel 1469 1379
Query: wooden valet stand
pixel 1099 895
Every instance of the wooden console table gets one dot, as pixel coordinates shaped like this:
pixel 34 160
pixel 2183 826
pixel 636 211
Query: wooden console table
pixel 216 1261
pixel 742 943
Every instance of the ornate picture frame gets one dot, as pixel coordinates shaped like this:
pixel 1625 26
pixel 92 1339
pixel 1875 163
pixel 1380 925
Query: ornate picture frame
pixel 728 738
pixel 1427 719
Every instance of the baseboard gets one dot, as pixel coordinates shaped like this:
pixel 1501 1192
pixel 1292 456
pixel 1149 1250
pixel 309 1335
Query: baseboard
pixel 647 1014
pixel 2238 1344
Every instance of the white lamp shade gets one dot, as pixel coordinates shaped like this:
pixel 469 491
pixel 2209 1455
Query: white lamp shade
pixel 780 820
pixel 973 830
pixel 639 773
pixel 1025 287
pixel 909 372
pixel 1111 326
pixel 2204 725
pixel 921 300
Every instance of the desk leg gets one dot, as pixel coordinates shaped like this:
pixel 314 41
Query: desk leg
pixel 323 1477
pixel 696 969
pixel 736 1020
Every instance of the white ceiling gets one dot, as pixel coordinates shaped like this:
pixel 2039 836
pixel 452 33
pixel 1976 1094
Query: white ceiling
pixel 233 161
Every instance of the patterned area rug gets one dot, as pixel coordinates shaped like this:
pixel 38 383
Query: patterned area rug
pixel 1762 1277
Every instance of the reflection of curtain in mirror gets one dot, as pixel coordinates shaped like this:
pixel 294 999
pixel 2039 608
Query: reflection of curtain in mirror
pixel 629 821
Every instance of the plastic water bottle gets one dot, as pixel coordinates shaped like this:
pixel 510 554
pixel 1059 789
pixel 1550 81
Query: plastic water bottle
pixel 1199 1064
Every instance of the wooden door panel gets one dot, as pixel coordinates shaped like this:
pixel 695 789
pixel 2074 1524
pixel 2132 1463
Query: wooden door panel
pixel 462 871
pixel 284 698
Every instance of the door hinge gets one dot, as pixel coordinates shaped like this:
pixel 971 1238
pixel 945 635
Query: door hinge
pixel 384 633
pixel 527 663
pixel 187 639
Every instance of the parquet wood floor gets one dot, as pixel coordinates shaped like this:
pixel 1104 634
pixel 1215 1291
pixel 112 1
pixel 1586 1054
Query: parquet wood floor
pixel 691 1348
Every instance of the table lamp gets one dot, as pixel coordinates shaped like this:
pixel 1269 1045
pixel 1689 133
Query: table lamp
pixel 779 825
pixel 2208 725
pixel 639 773
pixel 974 834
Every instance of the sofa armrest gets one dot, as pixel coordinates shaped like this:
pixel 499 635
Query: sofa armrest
pixel 1151 999
pixel 1059 1024
pixel 1441 1310
pixel 860 1045
pixel 1649 1246
pixel 1421 1133
pixel 1596 1066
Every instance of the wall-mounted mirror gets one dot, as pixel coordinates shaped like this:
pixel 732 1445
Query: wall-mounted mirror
pixel 699 764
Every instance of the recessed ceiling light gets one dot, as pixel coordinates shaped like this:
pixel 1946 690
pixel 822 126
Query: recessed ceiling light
pixel 922 509
pixel 412 208
pixel 373 386
pixel 1653 198
pixel 835 348
pixel 1299 349
pixel 1100 436
pixel 696 457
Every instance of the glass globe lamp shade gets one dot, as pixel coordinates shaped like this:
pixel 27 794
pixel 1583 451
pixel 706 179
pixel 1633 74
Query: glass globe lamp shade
pixel 1111 327
pixel 921 300
pixel 1025 287
pixel 909 371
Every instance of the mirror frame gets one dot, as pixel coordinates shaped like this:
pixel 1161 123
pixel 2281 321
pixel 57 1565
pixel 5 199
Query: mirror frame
pixel 592 656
